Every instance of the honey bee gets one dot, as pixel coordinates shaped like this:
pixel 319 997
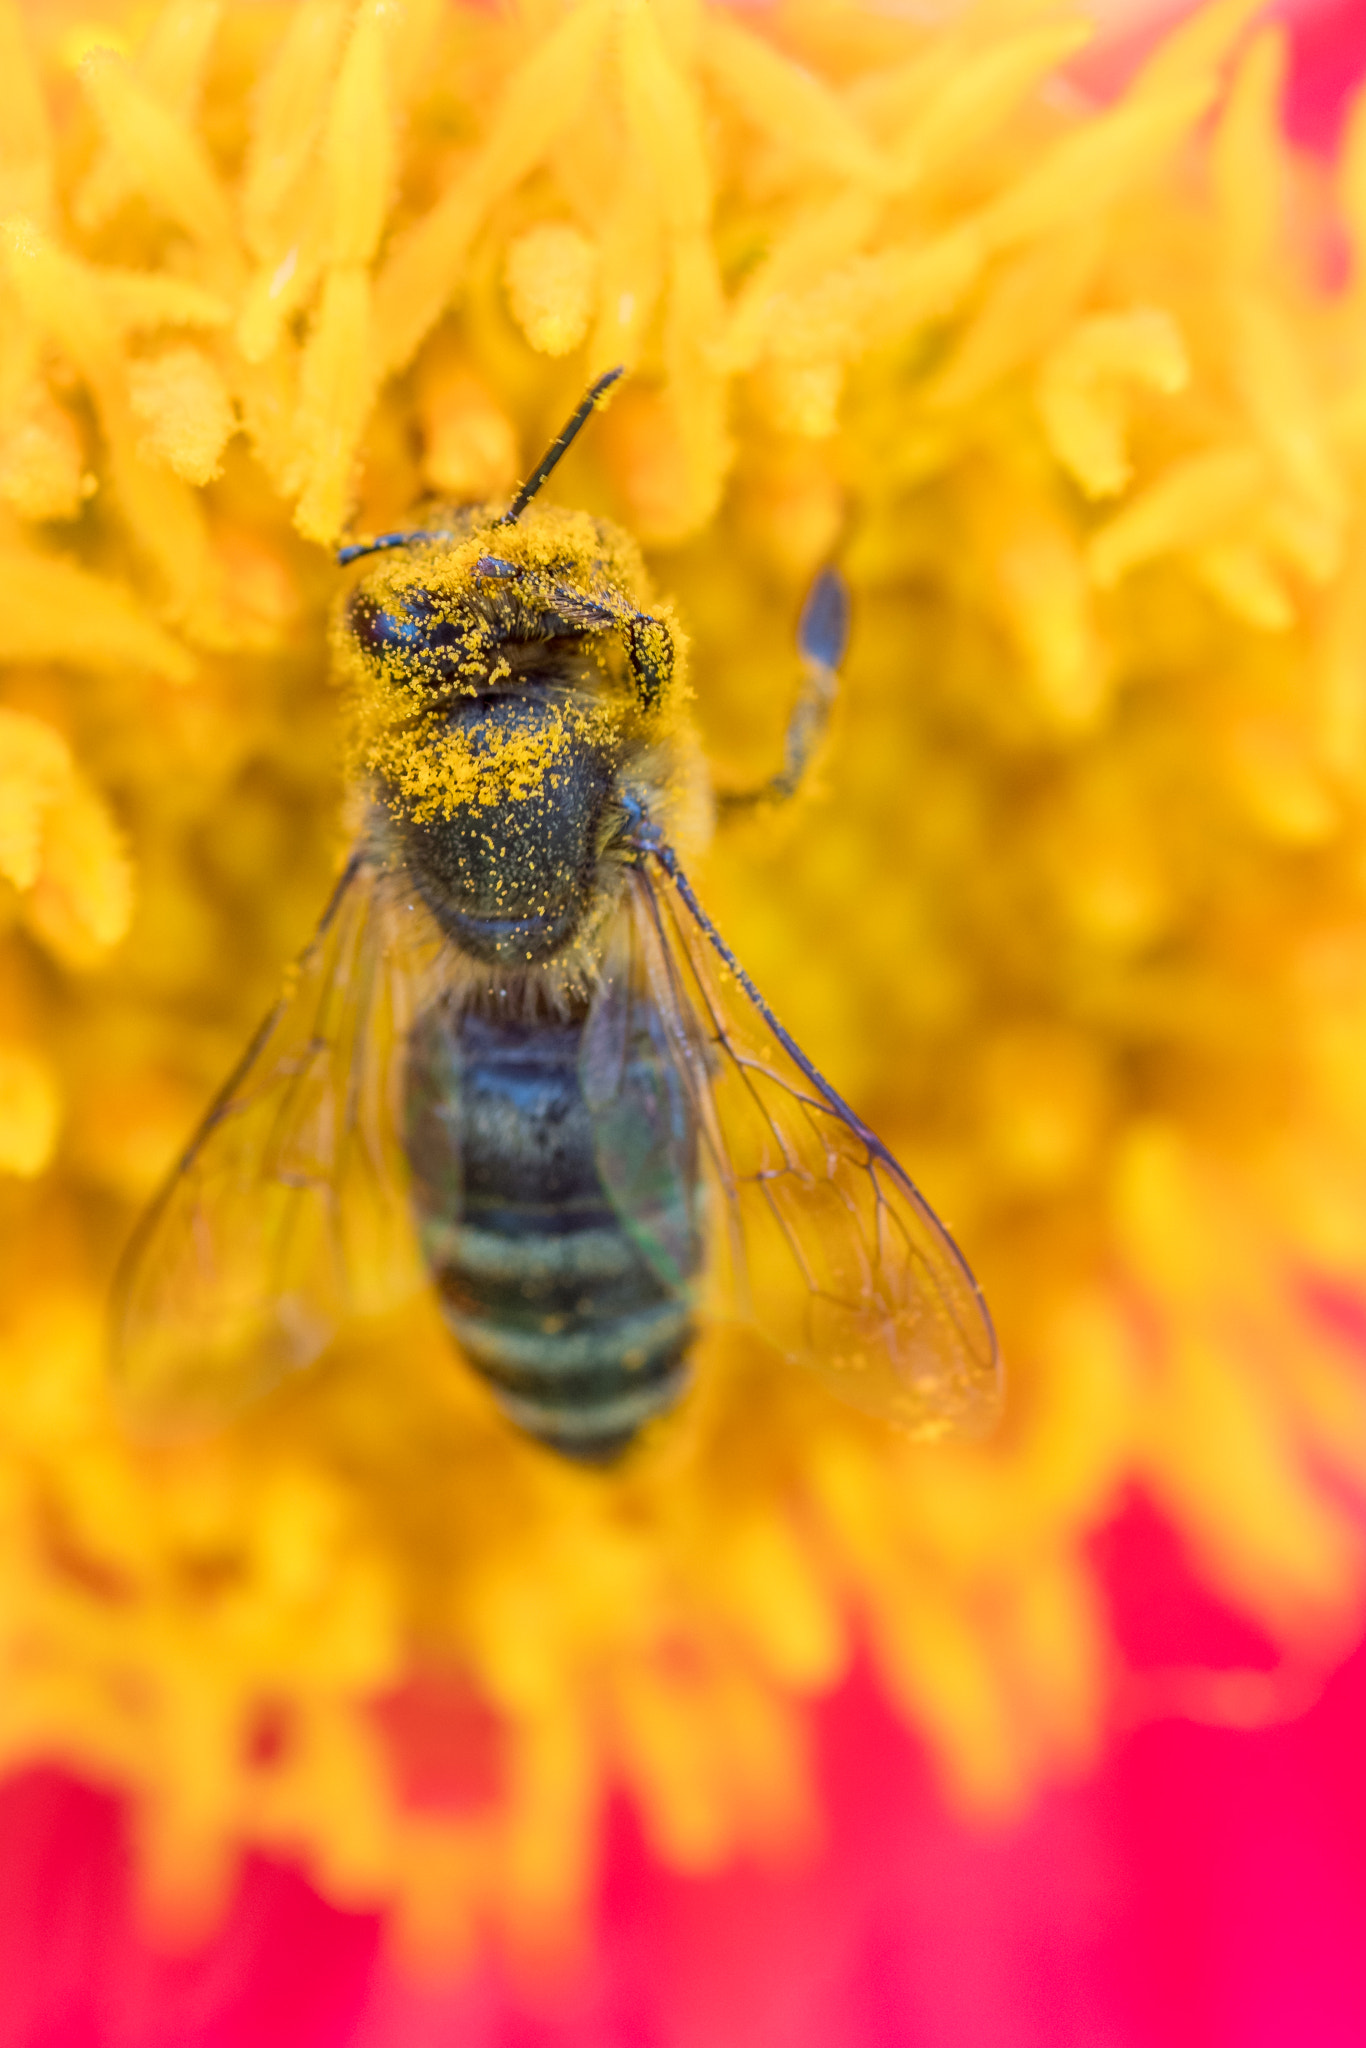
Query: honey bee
pixel 519 1062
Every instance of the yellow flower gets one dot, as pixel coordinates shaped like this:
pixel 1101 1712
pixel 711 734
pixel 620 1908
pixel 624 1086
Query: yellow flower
pixel 1077 916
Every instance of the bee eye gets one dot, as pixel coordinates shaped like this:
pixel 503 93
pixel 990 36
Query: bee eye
pixel 384 632
pixel 413 637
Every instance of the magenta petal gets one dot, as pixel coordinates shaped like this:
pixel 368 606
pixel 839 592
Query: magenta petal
pixel 1205 1889
pixel 1328 41
pixel 286 1970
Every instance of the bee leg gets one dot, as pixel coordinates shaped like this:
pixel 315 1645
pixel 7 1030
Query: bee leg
pixel 821 638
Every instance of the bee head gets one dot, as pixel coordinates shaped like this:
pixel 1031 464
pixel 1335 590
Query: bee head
pixel 560 578
pixel 462 604
pixel 499 677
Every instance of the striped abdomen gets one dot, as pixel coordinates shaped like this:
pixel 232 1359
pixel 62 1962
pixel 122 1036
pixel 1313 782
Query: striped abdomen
pixel 540 1285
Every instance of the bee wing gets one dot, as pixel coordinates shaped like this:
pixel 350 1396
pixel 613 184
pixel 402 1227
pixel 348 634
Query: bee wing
pixel 640 1098
pixel 288 1211
pixel 824 1244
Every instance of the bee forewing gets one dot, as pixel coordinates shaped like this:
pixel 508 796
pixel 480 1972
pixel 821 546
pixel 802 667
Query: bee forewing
pixel 288 1212
pixel 824 1244
pixel 644 1130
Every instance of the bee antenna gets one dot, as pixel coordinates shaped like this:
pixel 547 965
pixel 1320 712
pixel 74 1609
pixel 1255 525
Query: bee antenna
pixel 382 543
pixel 563 440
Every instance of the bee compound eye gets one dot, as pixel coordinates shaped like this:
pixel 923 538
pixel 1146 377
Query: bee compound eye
pixel 413 633
pixel 379 630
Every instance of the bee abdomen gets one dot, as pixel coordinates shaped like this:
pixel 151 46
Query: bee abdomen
pixel 584 1391
pixel 540 1283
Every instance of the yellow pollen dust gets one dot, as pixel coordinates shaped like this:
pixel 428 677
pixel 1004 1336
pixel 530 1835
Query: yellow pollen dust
pixel 437 777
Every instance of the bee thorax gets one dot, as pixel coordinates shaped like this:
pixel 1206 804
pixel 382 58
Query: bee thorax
pixel 507 865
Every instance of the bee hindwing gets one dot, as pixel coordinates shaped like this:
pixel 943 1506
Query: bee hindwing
pixel 820 1240
pixel 287 1212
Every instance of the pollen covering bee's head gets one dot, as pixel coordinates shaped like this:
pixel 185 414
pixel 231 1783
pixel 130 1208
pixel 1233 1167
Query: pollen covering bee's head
pixel 483 582
pixel 558 601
